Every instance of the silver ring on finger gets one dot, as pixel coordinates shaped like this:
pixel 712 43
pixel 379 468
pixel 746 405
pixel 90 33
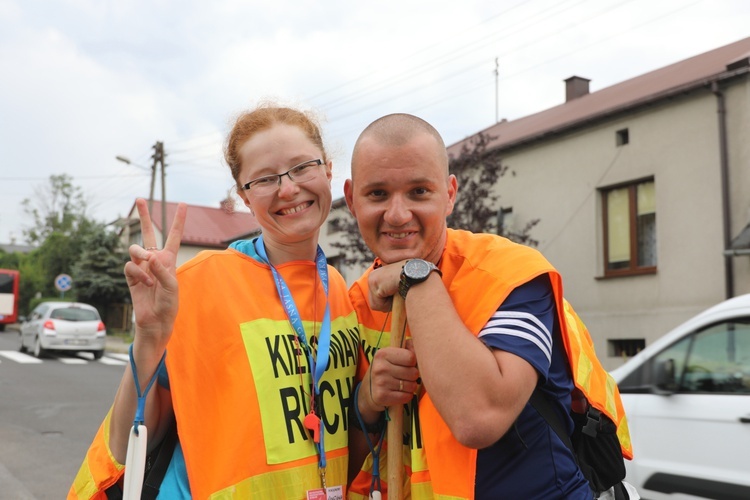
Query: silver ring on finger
pixel 149 249
pixel 400 386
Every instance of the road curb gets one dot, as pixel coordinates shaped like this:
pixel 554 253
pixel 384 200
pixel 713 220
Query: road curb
pixel 116 345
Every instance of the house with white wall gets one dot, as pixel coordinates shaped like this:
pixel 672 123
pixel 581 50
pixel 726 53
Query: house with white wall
pixel 206 228
pixel 643 194
pixel 642 191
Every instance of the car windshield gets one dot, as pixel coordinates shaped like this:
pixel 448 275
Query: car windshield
pixel 74 314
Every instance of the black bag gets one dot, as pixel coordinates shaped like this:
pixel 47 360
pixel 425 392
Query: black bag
pixel 594 444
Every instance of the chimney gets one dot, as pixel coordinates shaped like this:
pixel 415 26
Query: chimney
pixel 576 87
pixel 742 62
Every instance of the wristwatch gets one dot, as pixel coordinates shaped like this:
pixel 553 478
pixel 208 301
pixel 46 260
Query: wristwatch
pixel 415 271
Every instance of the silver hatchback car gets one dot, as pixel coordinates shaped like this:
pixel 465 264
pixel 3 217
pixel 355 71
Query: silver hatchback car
pixel 63 326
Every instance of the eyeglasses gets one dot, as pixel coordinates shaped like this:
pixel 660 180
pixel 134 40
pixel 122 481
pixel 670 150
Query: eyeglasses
pixel 269 184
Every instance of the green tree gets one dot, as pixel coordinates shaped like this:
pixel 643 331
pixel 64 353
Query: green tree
pixel 32 281
pixel 67 240
pixel 98 272
pixel 58 207
pixel 56 255
pixel 352 248
pixel 10 260
pixel 477 208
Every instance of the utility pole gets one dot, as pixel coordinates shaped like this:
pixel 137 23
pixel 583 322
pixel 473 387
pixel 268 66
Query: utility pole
pixel 153 183
pixel 158 158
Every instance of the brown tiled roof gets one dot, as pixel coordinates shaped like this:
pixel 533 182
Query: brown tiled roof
pixel 207 226
pixel 669 81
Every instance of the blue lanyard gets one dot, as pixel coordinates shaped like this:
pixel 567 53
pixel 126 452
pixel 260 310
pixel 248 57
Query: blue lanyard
pixel 317 367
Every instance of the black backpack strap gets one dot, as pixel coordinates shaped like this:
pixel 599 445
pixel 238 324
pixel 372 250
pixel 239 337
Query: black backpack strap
pixel 155 474
pixel 156 467
pixel 542 405
pixel 620 492
pixel 114 492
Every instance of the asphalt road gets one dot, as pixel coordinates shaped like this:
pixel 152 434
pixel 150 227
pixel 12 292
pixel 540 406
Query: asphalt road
pixel 49 413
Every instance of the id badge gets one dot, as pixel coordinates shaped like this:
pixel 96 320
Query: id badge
pixel 135 463
pixel 333 493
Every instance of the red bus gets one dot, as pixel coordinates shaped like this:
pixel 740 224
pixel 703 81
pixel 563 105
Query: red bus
pixel 8 297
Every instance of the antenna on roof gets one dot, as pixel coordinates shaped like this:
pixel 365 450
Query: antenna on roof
pixel 497 77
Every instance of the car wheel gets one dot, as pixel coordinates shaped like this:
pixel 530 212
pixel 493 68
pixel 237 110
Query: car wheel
pixel 98 354
pixel 23 347
pixel 39 351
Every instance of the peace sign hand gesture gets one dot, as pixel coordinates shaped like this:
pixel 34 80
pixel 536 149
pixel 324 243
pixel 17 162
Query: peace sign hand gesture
pixel 151 277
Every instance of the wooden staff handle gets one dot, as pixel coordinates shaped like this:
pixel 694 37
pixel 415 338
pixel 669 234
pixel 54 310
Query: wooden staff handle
pixel 395 434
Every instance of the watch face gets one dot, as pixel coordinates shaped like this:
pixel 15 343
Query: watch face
pixel 417 269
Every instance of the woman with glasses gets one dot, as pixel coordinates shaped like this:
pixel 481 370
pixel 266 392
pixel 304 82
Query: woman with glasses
pixel 256 356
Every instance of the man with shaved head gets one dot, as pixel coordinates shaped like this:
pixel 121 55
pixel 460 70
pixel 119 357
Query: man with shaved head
pixel 485 321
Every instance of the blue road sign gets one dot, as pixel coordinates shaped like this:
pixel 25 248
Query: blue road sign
pixel 63 282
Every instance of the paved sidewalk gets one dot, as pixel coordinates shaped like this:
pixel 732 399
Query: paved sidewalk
pixel 116 344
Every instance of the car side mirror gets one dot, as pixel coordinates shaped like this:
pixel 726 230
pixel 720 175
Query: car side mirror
pixel 665 381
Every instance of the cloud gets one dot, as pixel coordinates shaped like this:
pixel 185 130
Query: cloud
pixel 84 80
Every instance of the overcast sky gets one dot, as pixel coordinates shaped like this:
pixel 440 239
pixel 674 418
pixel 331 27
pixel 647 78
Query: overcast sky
pixel 83 81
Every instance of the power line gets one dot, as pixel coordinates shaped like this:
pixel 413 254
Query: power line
pixel 414 54
pixel 462 90
pixel 27 179
pixel 446 58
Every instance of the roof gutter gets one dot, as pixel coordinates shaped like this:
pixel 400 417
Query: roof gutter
pixel 724 167
pixel 734 252
pixel 628 107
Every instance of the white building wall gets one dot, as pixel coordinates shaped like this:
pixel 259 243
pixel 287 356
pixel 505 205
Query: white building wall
pixel 557 181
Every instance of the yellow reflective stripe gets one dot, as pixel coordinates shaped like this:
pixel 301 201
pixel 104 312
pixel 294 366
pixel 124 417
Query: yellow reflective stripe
pixel 286 484
pixel 584 366
pixel 610 403
pixel 422 491
pixel 623 433
pixel 86 485
pixel 83 485
pixel 584 370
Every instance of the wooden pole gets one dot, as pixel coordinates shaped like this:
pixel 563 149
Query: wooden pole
pixel 395 434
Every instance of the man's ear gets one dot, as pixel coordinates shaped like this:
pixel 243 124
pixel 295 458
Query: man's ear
pixel 452 192
pixel 349 196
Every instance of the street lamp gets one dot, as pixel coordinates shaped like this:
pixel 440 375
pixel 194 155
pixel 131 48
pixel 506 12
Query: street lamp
pixel 127 161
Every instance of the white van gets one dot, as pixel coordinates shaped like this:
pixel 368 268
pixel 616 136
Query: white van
pixel 687 399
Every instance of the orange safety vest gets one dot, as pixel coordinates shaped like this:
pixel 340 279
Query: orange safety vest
pixel 240 384
pixel 479 271
pixel 99 470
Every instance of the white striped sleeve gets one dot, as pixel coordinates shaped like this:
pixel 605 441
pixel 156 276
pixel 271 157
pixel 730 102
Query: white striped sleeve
pixel 520 326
